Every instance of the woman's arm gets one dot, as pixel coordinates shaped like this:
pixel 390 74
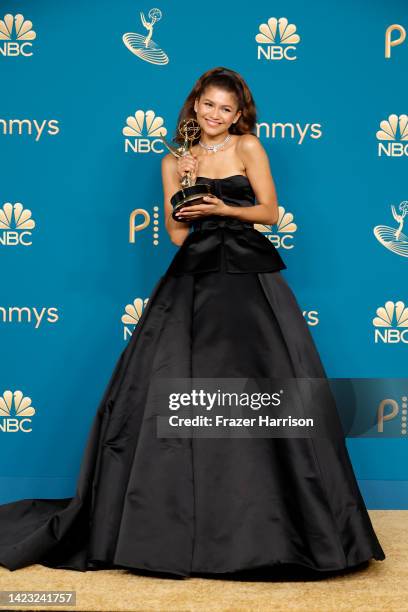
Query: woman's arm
pixel 178 232
pixel 256 163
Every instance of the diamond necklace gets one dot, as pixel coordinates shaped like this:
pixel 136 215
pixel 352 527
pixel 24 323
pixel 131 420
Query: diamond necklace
pixel 214 148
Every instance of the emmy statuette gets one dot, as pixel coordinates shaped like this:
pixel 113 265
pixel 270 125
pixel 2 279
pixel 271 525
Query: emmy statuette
pixel 190 193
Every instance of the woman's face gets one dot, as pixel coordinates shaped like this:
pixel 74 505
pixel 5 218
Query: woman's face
pixel 216 110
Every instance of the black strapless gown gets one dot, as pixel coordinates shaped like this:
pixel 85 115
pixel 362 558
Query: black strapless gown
pixel 203 506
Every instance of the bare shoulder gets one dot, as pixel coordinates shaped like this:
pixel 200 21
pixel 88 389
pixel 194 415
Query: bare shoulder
pixel 249 145
pixel 248 142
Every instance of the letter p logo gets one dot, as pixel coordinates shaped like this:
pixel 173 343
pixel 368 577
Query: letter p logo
pixel 393 42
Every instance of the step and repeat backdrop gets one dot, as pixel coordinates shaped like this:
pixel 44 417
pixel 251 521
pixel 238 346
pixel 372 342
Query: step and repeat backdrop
pixel 86 90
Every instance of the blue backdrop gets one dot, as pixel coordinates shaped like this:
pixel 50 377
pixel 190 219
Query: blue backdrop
pixel 82 236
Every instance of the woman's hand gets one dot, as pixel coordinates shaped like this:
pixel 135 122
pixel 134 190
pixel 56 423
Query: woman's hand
pixel 187 163
pixel 211 206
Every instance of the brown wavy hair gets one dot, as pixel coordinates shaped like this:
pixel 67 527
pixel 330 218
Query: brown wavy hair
pixel 231 81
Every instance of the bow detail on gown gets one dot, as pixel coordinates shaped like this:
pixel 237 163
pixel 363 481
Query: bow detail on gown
pixel 243 247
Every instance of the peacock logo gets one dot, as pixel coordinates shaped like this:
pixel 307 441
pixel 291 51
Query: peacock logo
pixel 142 132
pixel 393 238
pixel 285 229
pixel 132 316
pixel 277 40
pixel 16 223
pixel 391 323
pixel 392 136
pixel 144 46
pixel 15 412
pixel 15 36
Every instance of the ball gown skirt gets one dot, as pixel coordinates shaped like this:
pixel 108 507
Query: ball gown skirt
pixel 203 505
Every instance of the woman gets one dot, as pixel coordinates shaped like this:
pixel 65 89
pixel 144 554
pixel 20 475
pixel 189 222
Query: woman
pixel 199 506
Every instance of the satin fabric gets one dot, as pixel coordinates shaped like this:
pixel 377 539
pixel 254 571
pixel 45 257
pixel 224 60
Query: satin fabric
pixel 201 506
pixel 243 248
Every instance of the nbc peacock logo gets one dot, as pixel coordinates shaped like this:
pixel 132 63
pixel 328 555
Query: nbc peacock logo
pixel 391 323
pixel 277 40
pixel 15 412
pixel 16 223
pixel 285 230
pixel 16 34
pixel 392 415
pixel 140 219
pixel 144 46
pixel 393 136
pixel 393 238
pixel 132 316
pixel 142 132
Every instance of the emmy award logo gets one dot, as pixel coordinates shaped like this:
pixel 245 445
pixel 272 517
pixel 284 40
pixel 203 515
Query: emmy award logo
pixel 190 193
pixel 143 46
pixel 394 239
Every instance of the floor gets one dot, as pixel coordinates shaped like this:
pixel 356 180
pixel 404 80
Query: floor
pixel 381 586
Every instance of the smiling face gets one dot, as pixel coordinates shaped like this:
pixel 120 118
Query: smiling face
pixel 216 110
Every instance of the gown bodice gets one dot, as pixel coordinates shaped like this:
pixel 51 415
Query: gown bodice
pixel 215 240
pixel 235 190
